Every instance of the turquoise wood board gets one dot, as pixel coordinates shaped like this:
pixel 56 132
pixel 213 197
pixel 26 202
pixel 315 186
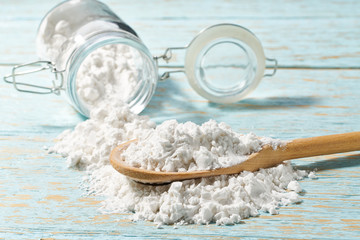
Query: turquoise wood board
pixel 315 93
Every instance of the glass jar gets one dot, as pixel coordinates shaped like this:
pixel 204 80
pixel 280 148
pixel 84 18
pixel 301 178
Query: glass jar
pixel 94 55
pixel 73 30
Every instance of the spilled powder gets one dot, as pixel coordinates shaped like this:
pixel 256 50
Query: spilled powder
pixel 223 200
pixel 89 145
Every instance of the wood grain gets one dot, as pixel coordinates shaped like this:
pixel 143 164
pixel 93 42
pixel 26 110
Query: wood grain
pixel 41 198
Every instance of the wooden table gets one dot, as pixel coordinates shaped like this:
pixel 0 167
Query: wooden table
pixel 315 92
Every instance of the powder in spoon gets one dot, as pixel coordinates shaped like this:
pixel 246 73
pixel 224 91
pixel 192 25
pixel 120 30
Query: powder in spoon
pixel 180 147
pixel 222 199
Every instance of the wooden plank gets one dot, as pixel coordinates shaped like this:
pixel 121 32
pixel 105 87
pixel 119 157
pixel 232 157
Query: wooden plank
pixel 297 33
pixel 306 102
pixel 41 198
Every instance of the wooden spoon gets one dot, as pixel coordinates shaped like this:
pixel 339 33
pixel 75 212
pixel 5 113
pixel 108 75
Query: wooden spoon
pixel 267 157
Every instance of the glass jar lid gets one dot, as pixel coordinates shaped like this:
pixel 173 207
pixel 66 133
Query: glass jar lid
pixel 224 63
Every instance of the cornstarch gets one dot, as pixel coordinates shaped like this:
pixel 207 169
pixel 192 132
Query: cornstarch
pixel 174 147
pixel 224 200
pixel 90 143
pixel 108 72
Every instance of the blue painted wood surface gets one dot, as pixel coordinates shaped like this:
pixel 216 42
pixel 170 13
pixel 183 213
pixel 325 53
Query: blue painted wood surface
pixel 41 198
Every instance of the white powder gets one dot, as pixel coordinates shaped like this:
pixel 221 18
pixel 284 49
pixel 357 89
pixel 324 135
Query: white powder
pixel 108 72
pixel 91 142
pixel 52 38
pixel 312 175
pixel 173 147
pixel 223 199
pixel 294 186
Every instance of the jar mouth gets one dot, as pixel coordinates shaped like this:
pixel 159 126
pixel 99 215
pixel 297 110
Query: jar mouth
pixel 224 63
pixel 146 77
pixel 235 72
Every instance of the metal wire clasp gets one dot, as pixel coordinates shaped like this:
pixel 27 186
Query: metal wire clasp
pixel 274 67
pixel 37 66
pixel 168 54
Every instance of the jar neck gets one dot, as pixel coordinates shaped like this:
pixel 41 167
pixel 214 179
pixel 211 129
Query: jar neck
pixel 143 94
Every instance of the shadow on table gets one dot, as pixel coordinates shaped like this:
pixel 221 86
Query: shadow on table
pixel 171 100
pixel 341 162
pixel 269 103
pixel 169 93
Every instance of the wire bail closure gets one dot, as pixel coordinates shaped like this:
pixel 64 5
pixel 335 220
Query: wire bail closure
pixel 38 67
pixel 169 53
pixel 274 67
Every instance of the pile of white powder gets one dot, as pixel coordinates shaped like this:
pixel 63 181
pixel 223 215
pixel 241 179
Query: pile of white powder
pixel 222 200
pixel 90 143
pixel 174 147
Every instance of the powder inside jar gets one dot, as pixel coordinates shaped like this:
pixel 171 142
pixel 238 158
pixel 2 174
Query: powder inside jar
pixel 113 72
pixel 109 72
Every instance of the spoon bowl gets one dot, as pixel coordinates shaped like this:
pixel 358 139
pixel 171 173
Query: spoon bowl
pixel 267 157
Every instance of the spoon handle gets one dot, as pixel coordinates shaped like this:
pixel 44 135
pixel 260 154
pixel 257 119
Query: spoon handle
pixel 267 157
pixel 298 148
pixel 323 145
